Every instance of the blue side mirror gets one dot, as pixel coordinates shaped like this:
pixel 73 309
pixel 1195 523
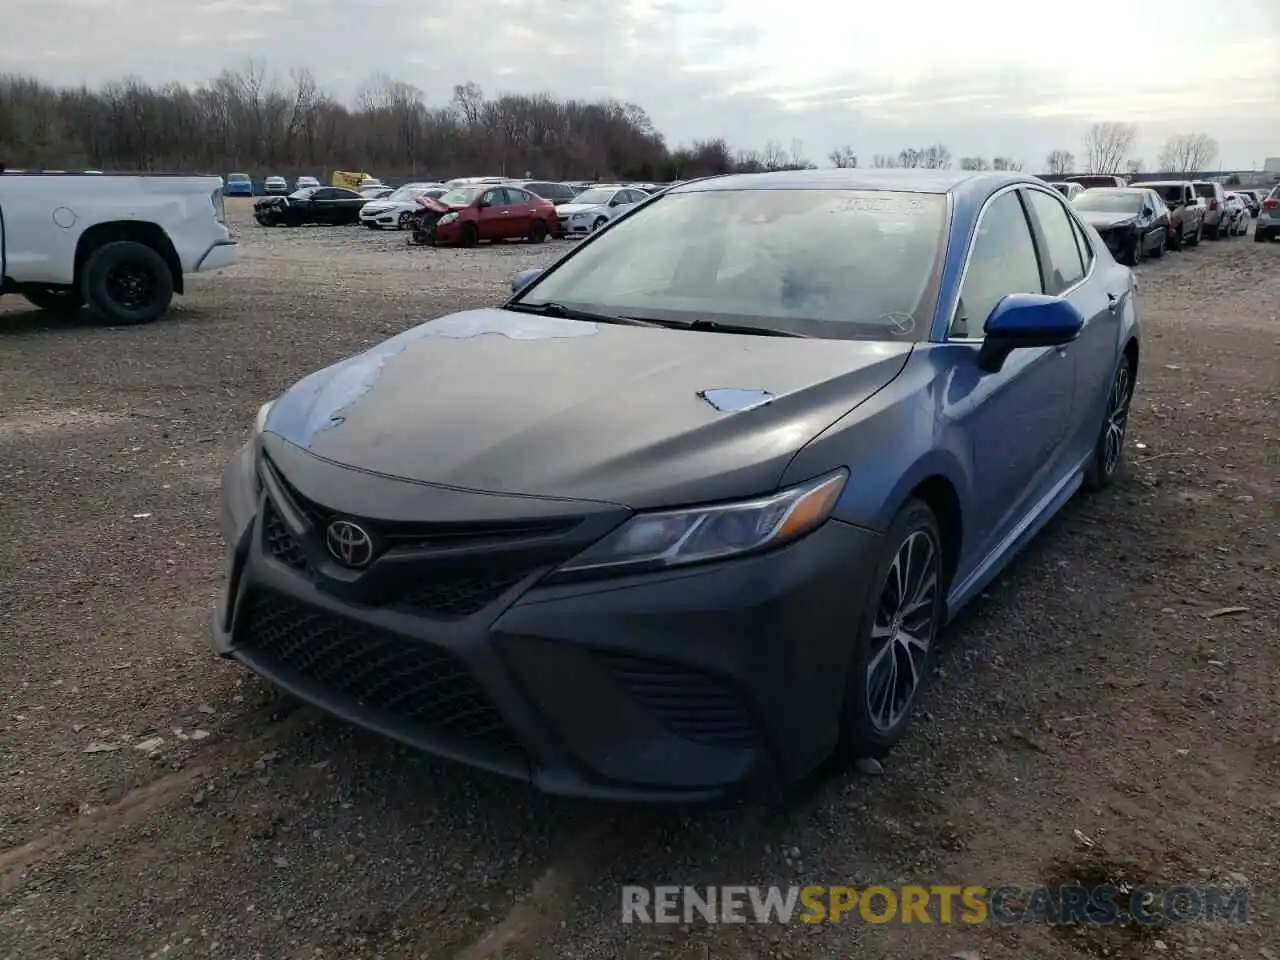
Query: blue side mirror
pixel 1027 320
pixel 524 278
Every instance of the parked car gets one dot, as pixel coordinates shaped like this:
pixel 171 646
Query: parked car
pixel 275 186
pixel 593 208
pixel 1215 198
pixel 1252 199
pixel 1090 180
pixel 238 185
pixel 473 181
pixel 1186 211
pixel 1133 222
pixel 399 207
pixel 371 183
pixel 1236 218
pixel 467 215
pixel 1267 227
pixel 1068 190
pixel 547 189
pixel 303 182
pixel 317 205
pixel 125 251
pixel 634 540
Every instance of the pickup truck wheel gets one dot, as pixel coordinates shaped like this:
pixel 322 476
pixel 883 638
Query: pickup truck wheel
pixel 126 282
pixel 54 299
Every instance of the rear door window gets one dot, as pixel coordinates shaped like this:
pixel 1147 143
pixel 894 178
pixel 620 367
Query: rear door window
pixel 1065 268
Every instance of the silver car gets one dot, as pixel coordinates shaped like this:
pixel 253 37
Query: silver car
pixel 1216 219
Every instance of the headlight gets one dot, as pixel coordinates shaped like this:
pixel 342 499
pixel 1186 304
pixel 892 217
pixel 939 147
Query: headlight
pixel 579 216
pixel 447 219
pixel 260 423
pixel 677 537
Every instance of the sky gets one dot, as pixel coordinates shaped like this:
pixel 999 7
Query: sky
pixel 984 77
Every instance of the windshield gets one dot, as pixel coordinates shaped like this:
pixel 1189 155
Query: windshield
pixel 459 196
pixel 239 177
pixel 1171 192
pixel 856 264
pixel 595 195
pixel 1109 201
pixel 407 193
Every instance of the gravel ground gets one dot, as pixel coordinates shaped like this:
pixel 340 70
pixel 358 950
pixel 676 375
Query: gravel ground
pixel 1097 712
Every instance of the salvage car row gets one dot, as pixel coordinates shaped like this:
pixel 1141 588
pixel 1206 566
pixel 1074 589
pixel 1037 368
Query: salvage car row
pixel 463 211
pixel 1149 217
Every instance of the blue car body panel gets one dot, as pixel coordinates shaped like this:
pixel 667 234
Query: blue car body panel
pixel 238 188
pixel 1012 446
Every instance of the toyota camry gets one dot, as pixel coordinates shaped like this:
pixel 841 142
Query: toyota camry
pixel 689 511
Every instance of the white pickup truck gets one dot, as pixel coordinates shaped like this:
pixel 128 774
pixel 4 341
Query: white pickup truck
pixel 119 244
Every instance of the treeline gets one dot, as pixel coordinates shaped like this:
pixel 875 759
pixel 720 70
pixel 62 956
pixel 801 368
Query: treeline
pixel 250 120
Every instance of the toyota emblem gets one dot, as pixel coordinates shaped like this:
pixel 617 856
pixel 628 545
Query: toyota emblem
pixel 349 544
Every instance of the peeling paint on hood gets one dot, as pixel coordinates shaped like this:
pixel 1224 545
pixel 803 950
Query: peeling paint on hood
pixel 507 323
pixel 735 399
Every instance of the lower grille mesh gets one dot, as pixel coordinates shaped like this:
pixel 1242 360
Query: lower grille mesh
pixel 402 678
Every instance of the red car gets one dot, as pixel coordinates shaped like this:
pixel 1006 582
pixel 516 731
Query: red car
pixel 467 215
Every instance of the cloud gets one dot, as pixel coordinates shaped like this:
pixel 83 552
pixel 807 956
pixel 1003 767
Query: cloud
pixel 987 76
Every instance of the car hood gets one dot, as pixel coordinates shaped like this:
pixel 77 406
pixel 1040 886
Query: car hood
pixel 517 404
pixel 435 206
pixel 569 209
pixel 1102 219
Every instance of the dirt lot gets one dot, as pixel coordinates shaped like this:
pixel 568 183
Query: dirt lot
pixel 1099 712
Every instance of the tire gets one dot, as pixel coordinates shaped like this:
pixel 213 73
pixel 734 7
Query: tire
pixel 598 223
pixel 126 282
pixel 538 233
pixel 1196 237
pixel 372 226
pixel 1133 256
pixel 1158 252
pixel 1174 238
pixel 54 299
pixel 1260 237
pixel 1214 233
pixel 470 235
pixel 1108 453
pixel 866 730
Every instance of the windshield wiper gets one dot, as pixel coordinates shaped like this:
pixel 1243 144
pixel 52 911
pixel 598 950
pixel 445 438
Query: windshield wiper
pixel 718 327
pixel 552 309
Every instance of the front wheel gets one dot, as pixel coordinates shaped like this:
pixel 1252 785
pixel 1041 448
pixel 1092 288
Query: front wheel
pixel 895 644
pixel 1108 453
pixel 1158 252
pixel 1133 256
pixel 470 235
pixel 599 223
pixel 126 282
pixel 54 299
pixel 1196 237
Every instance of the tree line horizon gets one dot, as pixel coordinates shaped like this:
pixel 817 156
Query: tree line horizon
pixel 250 119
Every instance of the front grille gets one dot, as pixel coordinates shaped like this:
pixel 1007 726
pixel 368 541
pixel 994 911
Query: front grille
pixel 690 704
pixel 279 541
pixel 408 681
pixel 458 596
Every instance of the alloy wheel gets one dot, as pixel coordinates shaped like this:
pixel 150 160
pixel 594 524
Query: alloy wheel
pixel 903 630
pixel 1117 420
pixel 130 284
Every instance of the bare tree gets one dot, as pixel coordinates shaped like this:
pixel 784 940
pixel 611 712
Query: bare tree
pixel 1188 153
pixel 1061 162
pixel 882 161
pixel 974 163
pixel 1005 163
pixel 1107 145
pixel 773 156
pixel 843 157
pixel 798 158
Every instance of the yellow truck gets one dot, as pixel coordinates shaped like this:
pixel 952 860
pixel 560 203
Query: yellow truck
pixel 347 179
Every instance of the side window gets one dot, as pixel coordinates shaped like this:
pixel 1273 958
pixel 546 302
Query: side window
pixel 325 193
pixel 515 195
pixel 1082 241
pixel 1065 266
pixel 1002 261
pixel 494 197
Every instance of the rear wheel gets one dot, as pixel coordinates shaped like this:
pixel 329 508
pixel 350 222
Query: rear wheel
pixel 1260 237
pixel 54 299
pixel 1174 237
pixel 539 231
pixel 1108 453
pixel 895 646
pixel 126 282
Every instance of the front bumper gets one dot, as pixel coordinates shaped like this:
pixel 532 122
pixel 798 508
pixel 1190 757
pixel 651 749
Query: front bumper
pixel 679 686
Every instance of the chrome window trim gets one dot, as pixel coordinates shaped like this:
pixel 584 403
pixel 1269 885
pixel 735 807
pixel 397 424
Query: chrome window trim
pixel 968 256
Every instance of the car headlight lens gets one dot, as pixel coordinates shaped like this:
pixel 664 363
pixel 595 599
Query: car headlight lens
pixel 677 537
pixel 578 217
pixel 447 219
pixel 260 423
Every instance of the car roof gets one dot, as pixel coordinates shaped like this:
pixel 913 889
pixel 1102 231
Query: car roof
pixel 908 181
